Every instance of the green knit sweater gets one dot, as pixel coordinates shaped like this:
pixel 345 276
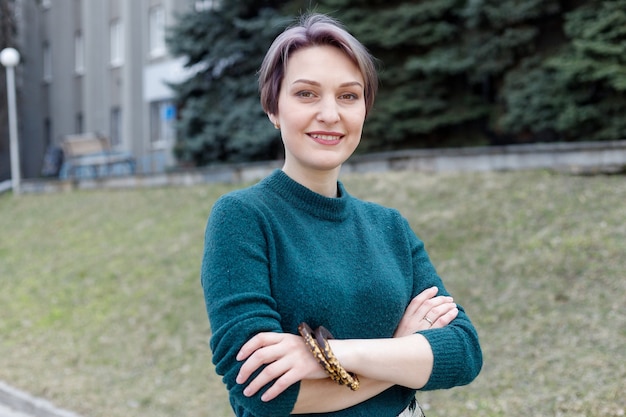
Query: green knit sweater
pixel 277 254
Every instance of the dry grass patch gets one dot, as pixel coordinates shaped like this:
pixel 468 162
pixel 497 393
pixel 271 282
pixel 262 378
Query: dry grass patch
pixel 102 311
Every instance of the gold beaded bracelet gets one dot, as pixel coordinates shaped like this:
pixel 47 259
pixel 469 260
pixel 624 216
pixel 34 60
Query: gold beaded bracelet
pixel 309 339
pixel 317 342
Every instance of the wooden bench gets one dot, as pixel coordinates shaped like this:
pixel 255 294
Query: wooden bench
pixel 93 152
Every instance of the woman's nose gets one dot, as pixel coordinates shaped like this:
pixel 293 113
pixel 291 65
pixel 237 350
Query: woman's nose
pixel 328 111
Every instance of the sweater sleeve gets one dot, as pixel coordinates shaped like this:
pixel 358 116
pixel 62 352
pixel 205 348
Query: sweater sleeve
pixel 456 348
pixel 236 285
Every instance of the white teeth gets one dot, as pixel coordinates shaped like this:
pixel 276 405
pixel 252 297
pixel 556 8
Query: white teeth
pixel 325 137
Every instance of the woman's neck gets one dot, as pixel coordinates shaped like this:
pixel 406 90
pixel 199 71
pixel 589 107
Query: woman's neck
pixel 321 182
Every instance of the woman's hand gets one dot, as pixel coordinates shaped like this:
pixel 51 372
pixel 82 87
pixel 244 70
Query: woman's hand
pixel 427 311
pixel 287 358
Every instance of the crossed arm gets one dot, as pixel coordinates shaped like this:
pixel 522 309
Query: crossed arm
pixel 406 359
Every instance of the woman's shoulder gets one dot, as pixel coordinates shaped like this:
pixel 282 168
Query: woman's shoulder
pixel 240 199
pixel 250 201
pixel 377 209
pixel 235 212
pixel 380 215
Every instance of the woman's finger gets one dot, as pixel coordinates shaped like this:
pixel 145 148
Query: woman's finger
pixel 255 343
pixel 256 352
pixel 446 318
pixel 272 371
pixel 419 299
pixel 280 385
pixel 439 310
pixel 433 317
pixel 286 359
pixel 426 316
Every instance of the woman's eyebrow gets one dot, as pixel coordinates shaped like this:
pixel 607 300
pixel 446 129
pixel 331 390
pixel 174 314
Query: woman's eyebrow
pixel 303 81
pixel 351 83
pixel 315 83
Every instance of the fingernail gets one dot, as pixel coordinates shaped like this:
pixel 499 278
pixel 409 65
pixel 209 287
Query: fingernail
pixel 246 392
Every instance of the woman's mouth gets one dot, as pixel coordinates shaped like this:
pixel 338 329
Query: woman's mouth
pixel 325 138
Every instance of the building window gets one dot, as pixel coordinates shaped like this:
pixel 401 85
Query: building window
pixel 162 119
pixel 47 63
pixel 79 54
pixel 157 31
pixel 206 5
pixel 79 123
pixel 116 126
pixel 47 132
pixel 117 43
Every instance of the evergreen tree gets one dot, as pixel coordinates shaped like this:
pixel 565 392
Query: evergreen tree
pixel 577 93
pixel 452 72
pixel 220 117
pixel 443 61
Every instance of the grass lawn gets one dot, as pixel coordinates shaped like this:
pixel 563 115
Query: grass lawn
pixel 102 311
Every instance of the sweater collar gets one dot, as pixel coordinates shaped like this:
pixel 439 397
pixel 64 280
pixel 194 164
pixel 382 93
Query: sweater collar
pixel 304 199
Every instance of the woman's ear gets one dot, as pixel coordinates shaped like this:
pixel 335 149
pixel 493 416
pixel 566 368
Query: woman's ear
pixel 274 120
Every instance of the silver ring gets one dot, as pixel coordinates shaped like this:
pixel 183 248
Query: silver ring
pixel 428 320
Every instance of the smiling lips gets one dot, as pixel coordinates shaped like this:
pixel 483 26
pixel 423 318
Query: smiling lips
pixel 326 138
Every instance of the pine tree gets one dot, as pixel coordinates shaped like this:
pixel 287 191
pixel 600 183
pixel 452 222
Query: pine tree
pixel 221 118
pixel 452 72
pixel 442 63
pixel 579 92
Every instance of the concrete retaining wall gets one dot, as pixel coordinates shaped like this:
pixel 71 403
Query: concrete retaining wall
pixel 578 157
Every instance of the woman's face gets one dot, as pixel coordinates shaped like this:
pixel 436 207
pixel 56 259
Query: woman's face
pixel 321 110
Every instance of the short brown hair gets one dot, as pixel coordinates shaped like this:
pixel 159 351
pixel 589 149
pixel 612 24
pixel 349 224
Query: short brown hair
pixel 313 30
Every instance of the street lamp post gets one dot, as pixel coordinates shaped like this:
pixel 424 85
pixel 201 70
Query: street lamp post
pixel 9 58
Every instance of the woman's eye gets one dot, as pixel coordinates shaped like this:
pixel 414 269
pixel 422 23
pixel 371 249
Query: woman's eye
pixel 305 94
pixel 349 96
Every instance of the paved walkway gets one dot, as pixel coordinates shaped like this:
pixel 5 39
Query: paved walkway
pixel 17 403
pixel 9 412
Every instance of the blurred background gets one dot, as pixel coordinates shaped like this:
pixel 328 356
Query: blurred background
pixel 172 83
pixel 101 307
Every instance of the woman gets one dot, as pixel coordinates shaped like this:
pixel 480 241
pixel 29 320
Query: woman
pixel 296 252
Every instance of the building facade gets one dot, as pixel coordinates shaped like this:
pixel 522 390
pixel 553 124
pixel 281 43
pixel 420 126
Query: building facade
pixel 98 66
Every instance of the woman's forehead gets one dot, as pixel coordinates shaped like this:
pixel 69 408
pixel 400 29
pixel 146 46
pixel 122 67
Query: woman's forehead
pixel 323 61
